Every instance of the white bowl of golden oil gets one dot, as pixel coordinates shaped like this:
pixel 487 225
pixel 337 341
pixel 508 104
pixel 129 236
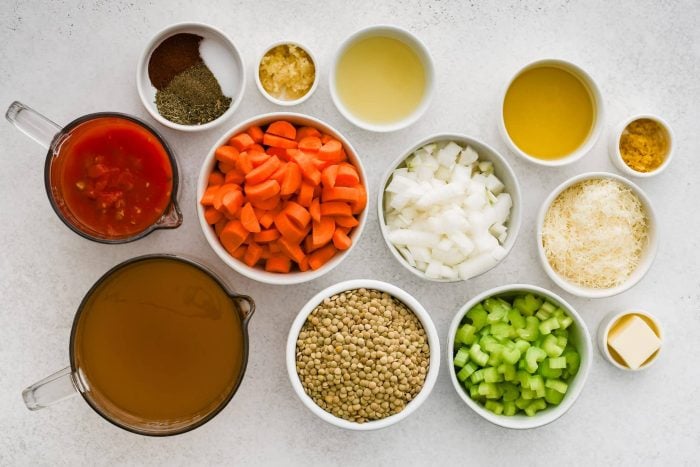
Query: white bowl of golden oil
pixel 382 78
pixel 551 113
pixel 642 145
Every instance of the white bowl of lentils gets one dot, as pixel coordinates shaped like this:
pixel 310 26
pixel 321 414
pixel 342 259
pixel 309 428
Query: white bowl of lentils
pixel 363 354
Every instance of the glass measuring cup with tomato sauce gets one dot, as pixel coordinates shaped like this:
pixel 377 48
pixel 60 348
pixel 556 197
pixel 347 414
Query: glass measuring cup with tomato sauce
pixel 109 176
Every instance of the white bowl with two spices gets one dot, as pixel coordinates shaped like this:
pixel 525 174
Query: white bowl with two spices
pixel 449 208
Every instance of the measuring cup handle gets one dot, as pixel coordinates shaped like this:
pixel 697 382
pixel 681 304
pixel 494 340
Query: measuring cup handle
pixel 32 123
pixel 55 388
pixel 249 308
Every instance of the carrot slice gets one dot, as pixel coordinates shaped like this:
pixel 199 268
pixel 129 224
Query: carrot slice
pixel 329 176
pixel 227 154
pixel 243 164
pixel 288 229
pixel 256 148
pixel 234 176
pixel 359 205
pixel 267 218
pixel 253 254
pixel 308 169
pixel 241 141
pixel 326 138
pixel 340 193
pixel 216 178
pixel 240 252
pixel 256 133
pixel 266 204
pixel 225 167
pixel 304 264
pixel 266 236
pixel 347 221
pixel 278 141
pixel 306 194
pixel 291 249
pixel 211 215
pixel 322 231
pixel 347 176
pixel 310 143
pixel 274 248
pixel 282 128
pixel 209 195
pixel 278 263
pixel 280 173
pixel 262 191
pixel 258 158
pixel 331 151
pixel 263 171
pixel 232 202
pixel 315 210
pixel 219 226
pixel 279 152
pixel 233 235
pixel 249 220
pixel 320 257
pixel 297 213
pixel 305 131
pixel 292 179
pixel 218 201
pixel 336 208
pixel 340 240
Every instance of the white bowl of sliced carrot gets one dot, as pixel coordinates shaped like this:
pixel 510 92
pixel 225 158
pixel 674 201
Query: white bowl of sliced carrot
pixel 282 197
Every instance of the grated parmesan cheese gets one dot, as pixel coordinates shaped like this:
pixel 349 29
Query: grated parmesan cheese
pixel 595 232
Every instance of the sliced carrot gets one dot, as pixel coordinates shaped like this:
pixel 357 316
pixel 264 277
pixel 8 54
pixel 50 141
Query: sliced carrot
pixel 304 264
pixel 232 202
pixel 308 169
pixel 309 244
pixel 331 151
pixel 280 173
pixel 219 226
pixel 278 263
pixel 278 141
pixel 336 208
pixel 243 164
pixel 253 254
pixel 209 195
pixel 216 178
pixel 267 218
pixel 241 141
pixel 256 148
pixel 282 128
pixel 347 175
pixel 249 220
pixel 266 236
pixel 263 171
pixel 221 192
pixel 329 176
pixel 320 257
pixel 315 210
pixel 359 205
pixel 288 229
pixel 258 158
pixel 306 131
pixel 266 204
pixel 291 249
pixel 274 248
pixel 233 235
pixel 262 191
pixel 240 252
pixel 255 133
pixel 326 138
pixel 227 154
pixel 306 194
pixel 347 221
pixel 292 179
pixel 297 213
pixel 279 152
pixel 340 240
pixel 211 215
pixel 225 167
pixel 340 193
pixel 322 232
pixel 234 176
pixel 321 165
pixel 310 143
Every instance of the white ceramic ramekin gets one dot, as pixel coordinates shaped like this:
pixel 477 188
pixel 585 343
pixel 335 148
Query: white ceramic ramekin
pixel 287 102
pixel 604 329
pixel 614 146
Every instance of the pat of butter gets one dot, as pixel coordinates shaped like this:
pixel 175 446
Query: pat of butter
pixel 634 341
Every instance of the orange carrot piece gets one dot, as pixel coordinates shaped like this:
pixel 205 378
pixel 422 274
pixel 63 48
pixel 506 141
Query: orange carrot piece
pixel 288 229
pixel 306 194
pixel 359 205
pixel 340 240
pixel 346 221
pixel 306 131
pixel 266 204
pixel 232 202
pixel 347 176
pixel 304 264
pixel 320 257
pixel 227 154
pixel 263 171
pixel 340 193
pixel 308 169
pixel 280 173
pixel 279 152
pixel 255 133
pixel 265 252
pixel 262 191
pixel 209 195
pixel 243 164
pixel 267 218
pixel 291 249
pixel 234 176
pixel 282 128
pixel 258 158
pixel 315 210
pixel 249 220
pixel 310 144
pixel 211 215
pixel 215 178
pixel 278 141
pixel 240 252
pixel 336 208
pixel 330 151
pixel 233 235
pixel 256 148
pixel 266 236
pixel 297 213
pixel 322 232
pixel 274 248
pixel 292 179
pixel 223 190
pixel 329 176
pixel 225 167
pixel 241 141
pixel 219 226
pixel 278 263
pixel 253 254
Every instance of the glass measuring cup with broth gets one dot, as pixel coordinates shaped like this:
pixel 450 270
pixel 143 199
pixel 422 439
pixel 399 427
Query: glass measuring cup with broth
pixel 158 347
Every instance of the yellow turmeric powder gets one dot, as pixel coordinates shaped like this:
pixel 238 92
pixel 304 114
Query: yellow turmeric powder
pixel 644 145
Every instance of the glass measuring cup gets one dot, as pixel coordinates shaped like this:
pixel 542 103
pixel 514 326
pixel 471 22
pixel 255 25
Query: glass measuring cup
pixel 108 216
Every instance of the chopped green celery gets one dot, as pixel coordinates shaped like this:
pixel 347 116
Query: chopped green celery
pixel 535 406
pixel 523 377
pixel 527 394
pixel 533 356
pixel 549 325
pixel 491 375
pixel 489 344
pixel 531 331
pixel 561 332
pixel 548 307
pixel 461 357
pixel 510 355
pixel 522 345
pixel 552 396
pixel 557 385
pixel 478 316
pixel 556 363
pixel 516 319
pixel 495 358
pixel 510 391
pixel 474 391
pixel 497 308
pixel 562 341
pixel 509 408
pixel 508 371
pixel 477 356
pixel 477 376
pixel 489 390
pixel 466 334
pixel 573 360
pixel 547 371
pixel 501 330
pixel 537 385
pixel 521 364
pixel 495 407
pixel 486 339
pixel 564 320
pixel 527 304
pixel 522 403
pixel 466 371
pixel 549 345
pixel 542 315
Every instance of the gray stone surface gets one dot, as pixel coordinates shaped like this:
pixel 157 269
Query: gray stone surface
pixel 71 58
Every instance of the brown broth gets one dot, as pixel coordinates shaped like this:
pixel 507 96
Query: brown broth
pixel 159 344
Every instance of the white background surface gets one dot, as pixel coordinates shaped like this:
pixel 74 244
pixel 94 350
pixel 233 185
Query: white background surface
pixel 71 58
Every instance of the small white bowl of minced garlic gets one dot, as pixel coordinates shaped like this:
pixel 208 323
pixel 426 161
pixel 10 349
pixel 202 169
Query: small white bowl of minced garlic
pixel 287 73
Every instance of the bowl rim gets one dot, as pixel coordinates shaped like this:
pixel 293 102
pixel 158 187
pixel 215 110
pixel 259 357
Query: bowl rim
pixel 412 304
pixel 614 145
pixel 596 129
pixel 552 413
pixel 142 70
pixel 274 100
pixel 514 228
pixel 409 39
pixel 645 263
pixel 256 273
pixel 604 329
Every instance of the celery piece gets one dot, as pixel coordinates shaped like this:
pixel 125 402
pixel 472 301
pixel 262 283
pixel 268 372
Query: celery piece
pixel 557 385
pixel 495 407
pixel 523 378
pixel 537 385
pixel 546 370
pixel 474 391
pixel 549 345
pixel 531 331
pixel 548 308
pixel 486 339
pixel 527 304
pixel 509 408
pixel 552 396
pixel 516 319
pixel 542 315
pixel 565 322
pixel 522 345
pixel 466 371
pixel 527 394
pixel 562 341
pixel 489 344
pixel 461 357
pixel 556 363
pixel 491 375
pixel 495 358
pixel 497 310
pixel 466 334
pixel 508 371
pixel 477 356
pixel 535 406
pixel 573 360
pixel 510 355
pixel 510 392
pixel 533 356
pixel 501 330
pixel 478 316
pixel 522 403
pixel 477 376
pixel 547 326
pixel 489 390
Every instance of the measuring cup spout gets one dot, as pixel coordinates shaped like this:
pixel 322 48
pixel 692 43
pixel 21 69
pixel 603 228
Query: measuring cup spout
pixel 32 123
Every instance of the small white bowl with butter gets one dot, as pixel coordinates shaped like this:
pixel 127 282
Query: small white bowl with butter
pixel 630 340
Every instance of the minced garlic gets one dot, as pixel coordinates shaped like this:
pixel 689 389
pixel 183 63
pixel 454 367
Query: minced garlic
pixel 287 72
pixel 643 145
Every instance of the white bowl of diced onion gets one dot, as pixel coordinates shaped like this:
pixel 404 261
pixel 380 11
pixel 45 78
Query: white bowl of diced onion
pixel 449 208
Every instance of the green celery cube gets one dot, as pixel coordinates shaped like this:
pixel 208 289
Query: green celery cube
pixel 461 357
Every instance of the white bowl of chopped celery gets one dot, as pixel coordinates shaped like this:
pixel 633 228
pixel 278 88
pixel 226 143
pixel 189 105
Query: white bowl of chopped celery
pixel 518 355
pixel 597 235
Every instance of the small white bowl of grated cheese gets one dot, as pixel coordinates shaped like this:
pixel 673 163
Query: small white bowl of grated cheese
pixel 596 235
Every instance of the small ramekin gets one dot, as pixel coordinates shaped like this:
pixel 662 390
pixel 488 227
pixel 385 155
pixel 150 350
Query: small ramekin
pixel 406 299
pixel 604 329
pixel 287 102
pixel 598 119
pixel 614 146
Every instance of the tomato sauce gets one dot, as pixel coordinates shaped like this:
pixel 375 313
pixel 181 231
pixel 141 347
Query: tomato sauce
pixel 114 176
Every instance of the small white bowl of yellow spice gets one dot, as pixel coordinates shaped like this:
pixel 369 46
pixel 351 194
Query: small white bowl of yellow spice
pixel 287 73
pixel 642 145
